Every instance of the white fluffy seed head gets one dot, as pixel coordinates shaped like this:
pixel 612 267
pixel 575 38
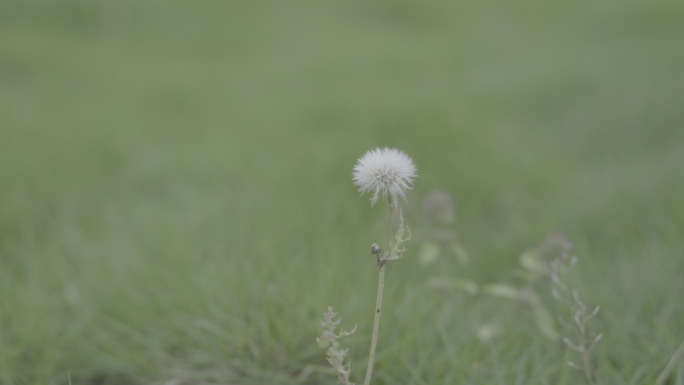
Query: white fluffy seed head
pixel 386 172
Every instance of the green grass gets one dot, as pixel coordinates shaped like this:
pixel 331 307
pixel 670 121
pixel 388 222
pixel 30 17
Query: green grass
pixel 176 200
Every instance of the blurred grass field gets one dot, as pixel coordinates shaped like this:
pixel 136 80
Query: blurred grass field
pixel 176 204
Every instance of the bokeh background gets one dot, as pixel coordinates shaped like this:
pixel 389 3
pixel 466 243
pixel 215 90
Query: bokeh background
pixel 176 204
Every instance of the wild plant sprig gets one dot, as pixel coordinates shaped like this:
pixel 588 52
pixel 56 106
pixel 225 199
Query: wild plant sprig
pixel 580 340
pixel 335 353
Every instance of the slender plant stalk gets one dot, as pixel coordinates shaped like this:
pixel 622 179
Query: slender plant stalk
pixel 670 365
pixel 376 325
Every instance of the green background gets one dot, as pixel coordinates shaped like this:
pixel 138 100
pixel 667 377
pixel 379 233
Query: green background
pixel 176 202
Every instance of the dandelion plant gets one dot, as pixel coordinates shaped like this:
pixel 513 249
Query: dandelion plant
pixel 387 173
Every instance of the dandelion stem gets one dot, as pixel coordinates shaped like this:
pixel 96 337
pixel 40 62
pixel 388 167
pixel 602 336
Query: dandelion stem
pixel 390 219
pixel 376 324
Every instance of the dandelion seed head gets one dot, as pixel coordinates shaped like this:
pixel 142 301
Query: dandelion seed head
pixel 385 172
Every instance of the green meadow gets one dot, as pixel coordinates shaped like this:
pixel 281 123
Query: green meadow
pixel 176 203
